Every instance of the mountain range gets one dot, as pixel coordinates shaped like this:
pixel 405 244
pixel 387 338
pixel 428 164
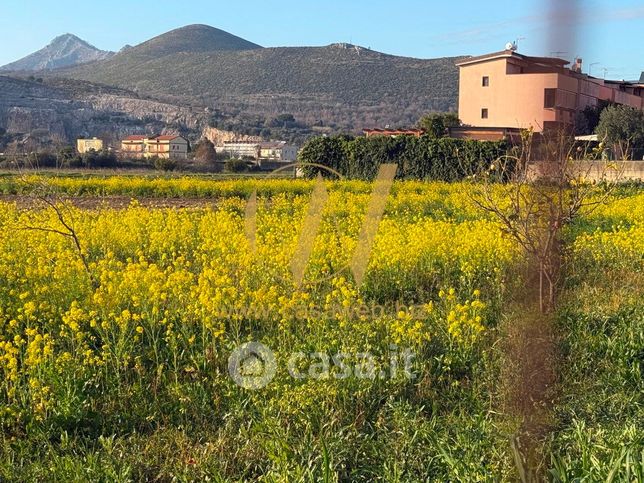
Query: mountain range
pixel 339 86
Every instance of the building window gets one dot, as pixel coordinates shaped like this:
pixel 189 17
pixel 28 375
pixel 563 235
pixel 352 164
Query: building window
pixel 550 98
pixel 486 81
pixel 484 113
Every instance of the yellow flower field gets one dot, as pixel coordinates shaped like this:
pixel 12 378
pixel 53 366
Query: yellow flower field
pixel 130 331
pixel 164 277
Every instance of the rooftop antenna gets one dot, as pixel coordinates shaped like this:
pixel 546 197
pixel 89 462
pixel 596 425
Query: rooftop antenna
pixel 516 42
pixel 605 72
pixel 590 68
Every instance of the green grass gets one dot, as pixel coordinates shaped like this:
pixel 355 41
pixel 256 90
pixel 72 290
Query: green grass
pixel 599 430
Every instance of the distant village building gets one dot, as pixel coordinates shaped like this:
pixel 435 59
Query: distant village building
pixel 242 149
pixel 86 145
pixel 165 146
pixel 393 132
pixel 508 90
pixel 277 151
pixel 270 151
pixel 133 146
pixel 174 147
pixel 511 134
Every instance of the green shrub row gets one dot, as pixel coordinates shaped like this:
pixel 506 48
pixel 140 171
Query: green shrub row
pixel 443 159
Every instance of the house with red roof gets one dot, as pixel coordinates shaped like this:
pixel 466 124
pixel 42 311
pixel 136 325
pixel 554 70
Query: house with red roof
pixel 162 146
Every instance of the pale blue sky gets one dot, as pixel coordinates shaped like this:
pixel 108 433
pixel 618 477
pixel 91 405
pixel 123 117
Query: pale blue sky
pixel 610 33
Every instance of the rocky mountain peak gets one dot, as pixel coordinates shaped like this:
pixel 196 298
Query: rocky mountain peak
pixel 64 51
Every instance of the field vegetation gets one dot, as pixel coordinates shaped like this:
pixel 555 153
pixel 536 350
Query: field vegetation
pixel 117 324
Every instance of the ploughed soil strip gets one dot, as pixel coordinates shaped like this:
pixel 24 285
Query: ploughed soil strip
pixel 119 202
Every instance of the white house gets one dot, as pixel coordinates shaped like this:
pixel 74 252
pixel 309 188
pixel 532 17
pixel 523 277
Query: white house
pixel 268 151
pixel 278 151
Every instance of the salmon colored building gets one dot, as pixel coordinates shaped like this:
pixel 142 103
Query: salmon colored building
pixel 169 147
pixel 133 146
pixel 509 90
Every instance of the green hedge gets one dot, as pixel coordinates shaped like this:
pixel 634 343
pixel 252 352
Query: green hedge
pixel 442 159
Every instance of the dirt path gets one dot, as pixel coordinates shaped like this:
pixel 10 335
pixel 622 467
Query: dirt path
pixel 528 377
pixel 118 202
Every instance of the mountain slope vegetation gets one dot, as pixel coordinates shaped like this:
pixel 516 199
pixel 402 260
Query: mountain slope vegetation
pixel 340 84
pixel 191 38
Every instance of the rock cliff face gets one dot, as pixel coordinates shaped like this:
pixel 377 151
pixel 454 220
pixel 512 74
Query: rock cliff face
pixel 219 137
pixel 64 51
pixel 60 110
pixel 28 106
